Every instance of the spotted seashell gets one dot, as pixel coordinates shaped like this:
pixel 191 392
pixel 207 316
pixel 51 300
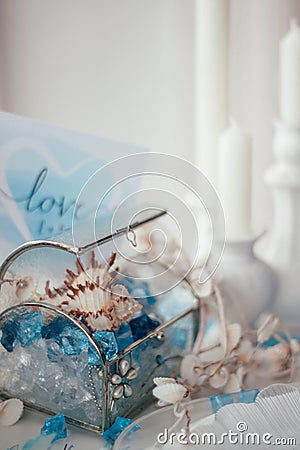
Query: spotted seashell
pixel 94 295
pixel 10 411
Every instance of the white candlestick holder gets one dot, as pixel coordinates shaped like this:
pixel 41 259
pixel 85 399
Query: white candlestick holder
pixel 282 249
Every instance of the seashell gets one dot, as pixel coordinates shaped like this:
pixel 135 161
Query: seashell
pixel 245 351
pixel 93 295
pixel 10 411
pixel 191 370
pixel 233 384
pixel 267 328
pixel 234 334
pixel 163 380
pixel 25 287
pixel 170 393
pixel 219 379
pixel 295 346
pixel 241 373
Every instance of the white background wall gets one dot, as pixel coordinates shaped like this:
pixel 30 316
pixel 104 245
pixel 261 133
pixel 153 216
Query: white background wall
pixel 125 69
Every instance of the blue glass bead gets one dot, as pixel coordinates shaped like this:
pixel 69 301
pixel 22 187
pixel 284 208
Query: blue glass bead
pixel 124 336
pixel 142 325
pixel 55 425
pixel 9 335
pixel 111 434
pixel 159 359
pixel 29 329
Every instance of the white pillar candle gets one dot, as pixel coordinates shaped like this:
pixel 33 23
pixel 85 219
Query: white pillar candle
pixel 290 76
pixel 211 81
pixel 235 169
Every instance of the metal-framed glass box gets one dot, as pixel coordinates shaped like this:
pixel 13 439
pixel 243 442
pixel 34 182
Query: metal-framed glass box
pixel 55 358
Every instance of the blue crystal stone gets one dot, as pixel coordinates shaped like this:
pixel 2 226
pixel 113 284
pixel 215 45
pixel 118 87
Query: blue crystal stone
pixel 29 329
pixel 218 401
pixel 111 434
pixel 109 345
pixel 72 341
pixel 9 335
pixel 124 336
pixel 142 325
pixel 70 338
pixel 54 328
pixel 55 425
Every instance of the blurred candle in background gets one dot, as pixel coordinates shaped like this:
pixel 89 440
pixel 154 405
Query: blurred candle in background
pixel 290 76
pixel 234 173
pixel 211 81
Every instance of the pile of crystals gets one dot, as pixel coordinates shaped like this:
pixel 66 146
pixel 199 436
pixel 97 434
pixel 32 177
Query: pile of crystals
pixel 48 364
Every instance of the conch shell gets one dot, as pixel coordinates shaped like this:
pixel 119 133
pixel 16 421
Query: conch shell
pixel 92 294
pixel 10 411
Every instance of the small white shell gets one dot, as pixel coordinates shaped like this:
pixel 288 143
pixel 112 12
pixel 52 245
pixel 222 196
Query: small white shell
pixel 25 288
pixel 219 379
pixel 191 370
pixel 233 384
pixel 10 411
pixel 170 393
pixel 163 380
pixel 234 334
pixel 295 346
pixel 267 328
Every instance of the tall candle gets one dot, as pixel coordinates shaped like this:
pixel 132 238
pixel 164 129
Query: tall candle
pixel 290 76
pixel 211 81
pixel 235 170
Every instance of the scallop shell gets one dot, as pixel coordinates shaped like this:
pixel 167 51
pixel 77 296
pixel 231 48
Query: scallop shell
pixel 92 294
pixel 163 380
pixel 170 393
pixel 10 411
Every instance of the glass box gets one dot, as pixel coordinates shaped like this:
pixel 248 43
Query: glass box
pixel 84 329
